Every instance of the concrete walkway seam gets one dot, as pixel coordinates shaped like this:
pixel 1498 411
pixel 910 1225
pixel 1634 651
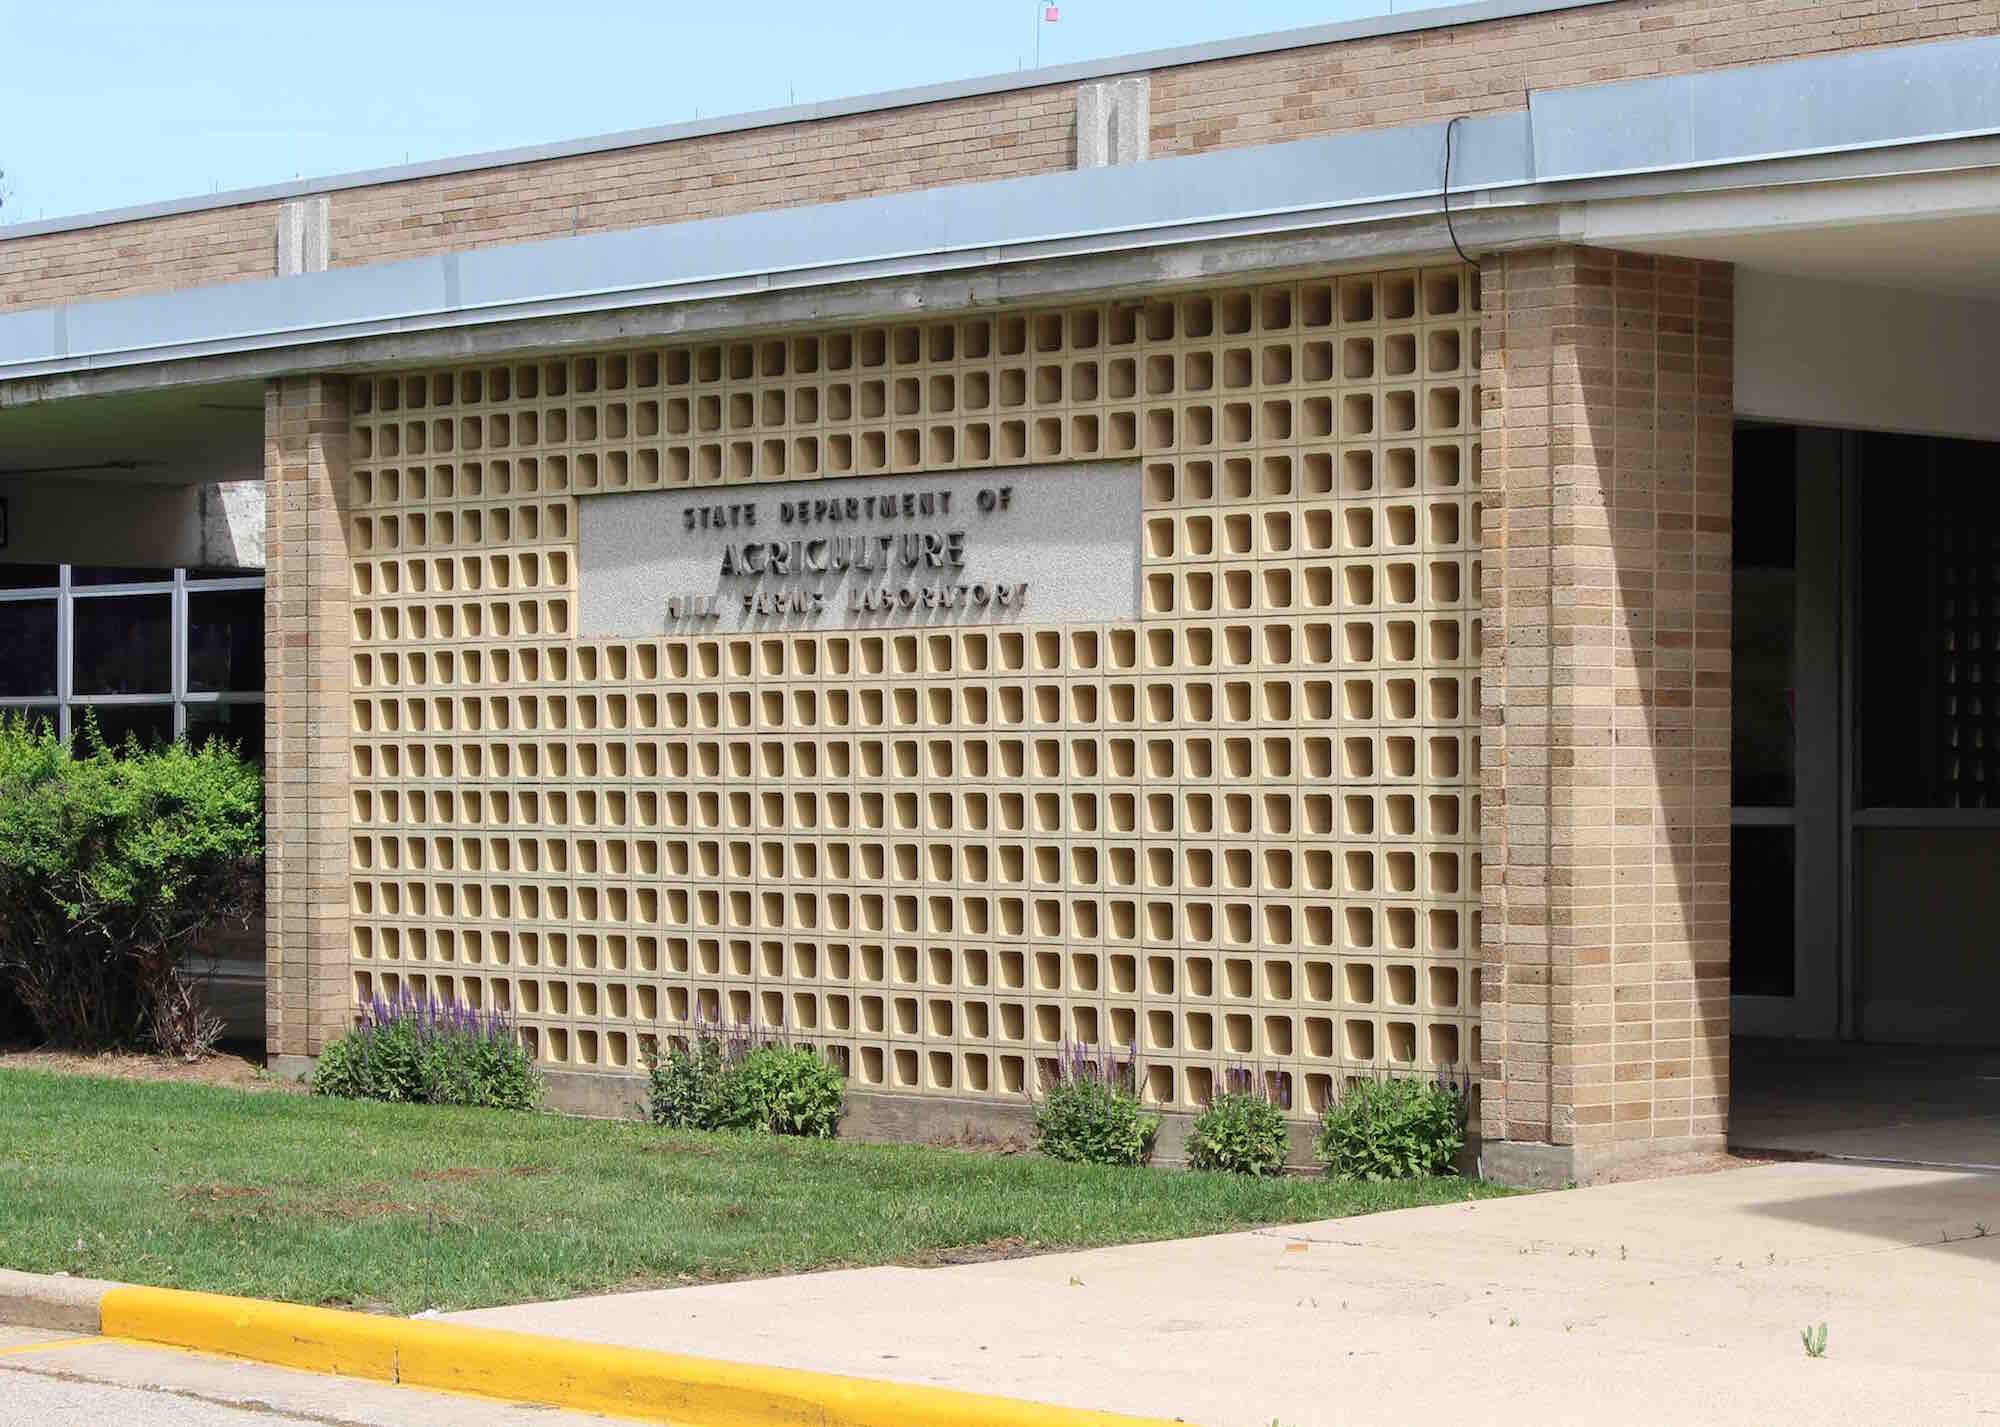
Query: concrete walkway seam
pixel 556 1372
pixel 17 1349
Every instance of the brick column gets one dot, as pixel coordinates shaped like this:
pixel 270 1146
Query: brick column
pixel 1608 404
pixel 306 631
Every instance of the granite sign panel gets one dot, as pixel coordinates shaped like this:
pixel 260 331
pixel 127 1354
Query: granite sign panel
pixel 1048 544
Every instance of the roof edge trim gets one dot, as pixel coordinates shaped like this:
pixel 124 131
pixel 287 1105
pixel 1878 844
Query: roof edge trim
pixel 1270 42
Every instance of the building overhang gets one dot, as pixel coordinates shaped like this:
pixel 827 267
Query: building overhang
pixel 1764 157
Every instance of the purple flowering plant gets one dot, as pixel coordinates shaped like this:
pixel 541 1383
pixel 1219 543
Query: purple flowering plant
pixel 1089 1111
pixel 420 1050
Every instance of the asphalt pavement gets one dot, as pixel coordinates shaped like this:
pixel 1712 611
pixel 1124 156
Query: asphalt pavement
pixel 57 1378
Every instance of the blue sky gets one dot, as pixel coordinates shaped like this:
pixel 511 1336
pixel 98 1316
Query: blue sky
pixel 105 103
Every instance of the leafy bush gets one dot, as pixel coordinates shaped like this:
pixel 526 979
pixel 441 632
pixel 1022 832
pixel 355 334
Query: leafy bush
pixel 1240 1131
pixel 430 1053
pixel 793 1091
pixel 1090 1113
pixel 718 1079
pixel 693 1085
pixel 1399 1128
pixel 115 866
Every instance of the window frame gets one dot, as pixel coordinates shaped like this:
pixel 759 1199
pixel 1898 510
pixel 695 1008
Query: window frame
pixel 177 587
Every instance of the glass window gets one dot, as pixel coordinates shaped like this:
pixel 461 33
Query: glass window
pixel 124 645
pixel 85 575
pixel 226 641
pixel 1929 559
pixel 1763 631
pixel 1762 914
pixel 151 724
pixel 240 724
pixel 137 663
pixel 30 577
pixel 27 648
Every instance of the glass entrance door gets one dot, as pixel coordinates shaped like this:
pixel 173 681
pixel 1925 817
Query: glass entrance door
pixel 1865 737
pixel 1923 852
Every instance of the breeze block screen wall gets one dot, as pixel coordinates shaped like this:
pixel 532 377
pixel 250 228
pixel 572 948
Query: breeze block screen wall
pixel 1240 831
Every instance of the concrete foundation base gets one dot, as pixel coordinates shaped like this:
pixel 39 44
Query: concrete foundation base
pixel 871 1115
pixel 874 1115
pixel 290 1067
pixel 884 1118
pixel 1532 1165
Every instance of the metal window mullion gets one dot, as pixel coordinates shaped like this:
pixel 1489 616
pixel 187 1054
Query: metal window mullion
pixel 178 624
pixel 150 587
pixel 1928 819
pixel 65 650
pixel 1852 753
pixel 1764 817
pixel 1816 680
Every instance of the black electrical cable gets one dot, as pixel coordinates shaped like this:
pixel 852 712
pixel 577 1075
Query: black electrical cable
pixel 1445 191
pixel 79 466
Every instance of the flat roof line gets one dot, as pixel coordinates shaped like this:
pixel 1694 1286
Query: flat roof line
pixel 1439 18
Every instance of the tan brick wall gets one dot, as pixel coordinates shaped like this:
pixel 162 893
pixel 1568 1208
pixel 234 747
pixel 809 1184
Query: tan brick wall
pixel 1608 395
pixel 152 255
pixel 1257 99
pixel 1487 68
pixel 306 637
pixel 963 141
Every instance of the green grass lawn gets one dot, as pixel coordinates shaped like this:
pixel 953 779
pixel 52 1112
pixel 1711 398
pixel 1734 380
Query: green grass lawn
pixel 404 1207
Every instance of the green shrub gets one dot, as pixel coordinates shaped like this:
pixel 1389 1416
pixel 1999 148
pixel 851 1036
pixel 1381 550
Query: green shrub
pixel 693 1084
pixel 115 867
pixel 1090 1114
pixel 1242 1132
pixel 361 1066
pixel 1399 1128
pixel 428 1053
pixel 793 1091
pixel 715 1080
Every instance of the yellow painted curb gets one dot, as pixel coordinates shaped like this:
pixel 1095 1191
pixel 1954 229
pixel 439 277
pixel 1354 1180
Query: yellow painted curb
pixel 588 1377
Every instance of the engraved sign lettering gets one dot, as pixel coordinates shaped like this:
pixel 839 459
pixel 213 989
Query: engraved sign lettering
pixel 1057 544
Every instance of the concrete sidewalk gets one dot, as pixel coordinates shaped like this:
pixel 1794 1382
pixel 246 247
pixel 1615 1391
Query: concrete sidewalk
pixel 1677 1299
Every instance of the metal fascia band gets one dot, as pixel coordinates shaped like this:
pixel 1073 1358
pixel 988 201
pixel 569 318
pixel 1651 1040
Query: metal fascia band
pixel 1468 204
pixel 1275 190
pixel 908 263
